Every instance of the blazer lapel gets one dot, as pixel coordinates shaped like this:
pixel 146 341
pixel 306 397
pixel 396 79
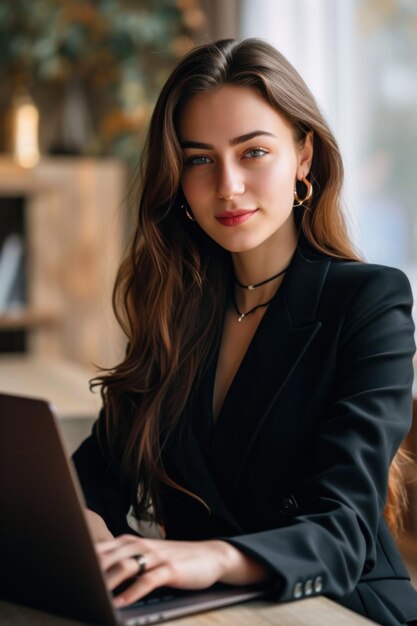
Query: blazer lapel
pixel 186 461
pixel 284 334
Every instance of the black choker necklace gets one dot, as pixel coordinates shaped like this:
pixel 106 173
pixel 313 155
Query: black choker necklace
pixel 255 285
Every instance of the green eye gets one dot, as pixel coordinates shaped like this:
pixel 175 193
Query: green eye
pixel 198 160
pixel 255 152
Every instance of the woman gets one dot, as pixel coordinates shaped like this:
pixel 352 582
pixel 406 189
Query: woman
pixel 267 381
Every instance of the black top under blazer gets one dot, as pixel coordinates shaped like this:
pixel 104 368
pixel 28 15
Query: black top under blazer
pixel 295 468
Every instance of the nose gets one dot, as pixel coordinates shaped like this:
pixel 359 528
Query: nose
pixel 230 182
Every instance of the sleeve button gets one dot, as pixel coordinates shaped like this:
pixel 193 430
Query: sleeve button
pixel 308 587
pixel 298 591
pixel 318 584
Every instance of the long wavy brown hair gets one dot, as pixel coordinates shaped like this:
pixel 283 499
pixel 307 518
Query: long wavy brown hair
pixel 171 289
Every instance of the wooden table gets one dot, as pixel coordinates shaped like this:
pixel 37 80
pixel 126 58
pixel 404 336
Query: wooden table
pixel 61 382
pixel 317 611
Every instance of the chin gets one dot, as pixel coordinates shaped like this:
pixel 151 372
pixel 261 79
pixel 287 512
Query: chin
pixel 240 240
pixel 239 246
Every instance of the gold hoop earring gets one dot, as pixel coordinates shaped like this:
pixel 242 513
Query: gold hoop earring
pixel 309 193
pixel 188 212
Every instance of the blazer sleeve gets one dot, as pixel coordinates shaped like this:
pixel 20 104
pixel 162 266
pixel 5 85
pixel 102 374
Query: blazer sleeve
pixel 330 541
pixel 100 479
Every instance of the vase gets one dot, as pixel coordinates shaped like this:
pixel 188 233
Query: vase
pixel 73 130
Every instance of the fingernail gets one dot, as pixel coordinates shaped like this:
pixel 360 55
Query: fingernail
pixel 119 601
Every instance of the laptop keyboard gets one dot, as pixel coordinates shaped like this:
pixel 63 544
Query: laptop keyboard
pixel 162 594
pixel 152 600
pixel 152 606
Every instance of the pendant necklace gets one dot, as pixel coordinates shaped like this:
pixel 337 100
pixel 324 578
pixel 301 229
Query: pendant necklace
pixel 252 287
pixel 241 315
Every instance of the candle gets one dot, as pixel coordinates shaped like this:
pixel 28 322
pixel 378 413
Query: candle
pixel 25 140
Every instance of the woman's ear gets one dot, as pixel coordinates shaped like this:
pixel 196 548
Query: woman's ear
pixel 305 155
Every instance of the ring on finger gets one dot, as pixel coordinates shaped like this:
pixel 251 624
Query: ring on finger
pixel 141 561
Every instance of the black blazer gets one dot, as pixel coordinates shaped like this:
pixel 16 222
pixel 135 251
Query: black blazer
pixel 294 471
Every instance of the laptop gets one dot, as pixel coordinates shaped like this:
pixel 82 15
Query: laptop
pixel 47 555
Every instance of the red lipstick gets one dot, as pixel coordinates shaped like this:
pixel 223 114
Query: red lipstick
pixel 236 217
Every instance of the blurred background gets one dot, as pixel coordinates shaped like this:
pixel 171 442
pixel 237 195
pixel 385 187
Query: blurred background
pixel 79 81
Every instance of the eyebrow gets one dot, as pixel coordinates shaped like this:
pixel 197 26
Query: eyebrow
pixel 233 142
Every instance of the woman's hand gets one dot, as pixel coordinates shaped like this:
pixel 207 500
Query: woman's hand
pixel 97 527
pixel 181 564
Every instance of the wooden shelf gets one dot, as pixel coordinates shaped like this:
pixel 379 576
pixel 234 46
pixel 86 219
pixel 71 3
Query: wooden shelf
pixel 73 216
pixel 27 319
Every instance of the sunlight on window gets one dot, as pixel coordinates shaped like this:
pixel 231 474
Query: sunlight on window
pixel 386 111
